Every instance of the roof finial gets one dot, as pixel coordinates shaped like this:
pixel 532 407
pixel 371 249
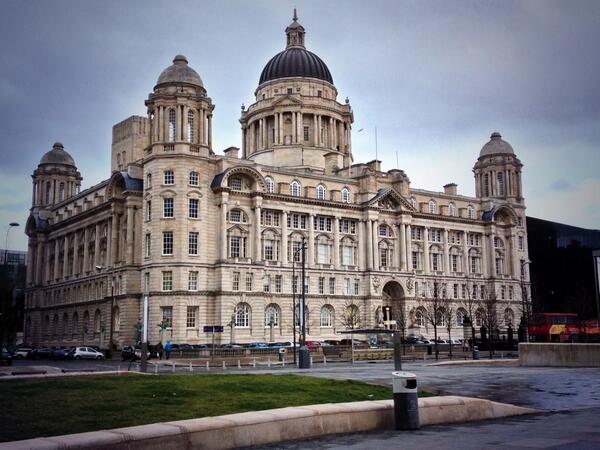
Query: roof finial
pixel 295 18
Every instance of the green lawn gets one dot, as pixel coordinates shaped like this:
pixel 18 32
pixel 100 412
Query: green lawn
pixel 35 408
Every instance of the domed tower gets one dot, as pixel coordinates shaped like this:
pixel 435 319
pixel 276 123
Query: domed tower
pixel 180 112
pixel 296 120
pixel 498 173
pixel 55 179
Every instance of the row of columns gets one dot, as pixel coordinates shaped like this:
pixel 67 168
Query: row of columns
pixel 512 183
pixel 257 133
pixel 202 126
pixel 41 195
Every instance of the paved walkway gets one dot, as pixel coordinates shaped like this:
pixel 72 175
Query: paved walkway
pixel 568 430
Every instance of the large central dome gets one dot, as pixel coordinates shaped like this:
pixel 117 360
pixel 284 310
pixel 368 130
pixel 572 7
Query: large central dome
pixel 295 60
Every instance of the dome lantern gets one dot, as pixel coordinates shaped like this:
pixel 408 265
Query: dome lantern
pixel 295 33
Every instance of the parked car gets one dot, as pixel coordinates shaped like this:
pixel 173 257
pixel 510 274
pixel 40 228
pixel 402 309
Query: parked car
pixel 258 345
pixel 332 341
pixel 230 346
pixel 60 353
pixel 41 353
pixel 22 352
pixel 5 357
pixel 313 345
pixel 86 353
pixel 185 347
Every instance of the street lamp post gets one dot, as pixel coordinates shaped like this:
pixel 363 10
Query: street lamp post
pixel 294 287
pixel 9 300
pixel 304 354
pixel 524 302
pixel 10 226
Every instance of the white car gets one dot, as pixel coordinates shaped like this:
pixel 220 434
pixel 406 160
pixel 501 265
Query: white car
pixel 86 353
pixel 22 352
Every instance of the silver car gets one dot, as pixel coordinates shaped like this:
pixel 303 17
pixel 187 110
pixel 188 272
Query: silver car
pixel 86 353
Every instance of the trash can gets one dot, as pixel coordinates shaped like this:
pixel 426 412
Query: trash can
pixel 429 350
pixel 282 352
pixel 406 403
pixel 475 352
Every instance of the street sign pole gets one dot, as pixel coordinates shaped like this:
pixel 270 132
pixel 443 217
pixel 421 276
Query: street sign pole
pixel 144 349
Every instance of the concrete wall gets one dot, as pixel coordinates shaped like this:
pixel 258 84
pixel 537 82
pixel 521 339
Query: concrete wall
pixel 559 355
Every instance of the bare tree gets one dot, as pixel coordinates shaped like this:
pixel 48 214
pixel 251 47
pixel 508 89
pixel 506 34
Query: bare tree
pixel 470 304
pixel 401 319
pixel 433 307
pixel 489 316
pixel 448 315
pixel 350 319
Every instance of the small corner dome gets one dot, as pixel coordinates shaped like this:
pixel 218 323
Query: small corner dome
pixel 57 156
pixel 496 145
pixel 179 72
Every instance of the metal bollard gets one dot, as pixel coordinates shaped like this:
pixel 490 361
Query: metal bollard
pixel 254 362
pixel 224 365
pixel 239 365
pixel 406 403
pixel 173 367
pixel 269 362
pixel 324 360
pixel 191 368
pixel 156 369
pixel 207 365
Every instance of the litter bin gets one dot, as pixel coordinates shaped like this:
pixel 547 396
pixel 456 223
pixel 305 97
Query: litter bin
pixel 429 350
pixel 475 352
pixel 406 403
pixel 282 352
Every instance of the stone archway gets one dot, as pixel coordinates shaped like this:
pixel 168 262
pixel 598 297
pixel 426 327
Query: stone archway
pixel 393 296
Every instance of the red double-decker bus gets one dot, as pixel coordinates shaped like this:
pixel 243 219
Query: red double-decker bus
pixel 560 327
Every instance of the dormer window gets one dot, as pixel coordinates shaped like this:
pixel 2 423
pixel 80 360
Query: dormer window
pixel 235 183
pixel 295 188
pixel 321 191
pixel 346 195
pixel 171 125
pixel 319 93
pixel 290 91
pixel 432 207
pixel 270 184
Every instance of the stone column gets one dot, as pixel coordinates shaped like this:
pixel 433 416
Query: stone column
pixel 316 130
pixel 465 262
pixel 426 250
pixel 330 133
pixel 319 135
pixel 224 227
pixel 29 272
pixel 491 255
pixel 130 230
pixel 311 240
pixel 300 122
pixel 86 250
pixel 408 248
pixel 38 263
pixel 209 131
pixel 336 242
pixel 97 261
pixel 402 246
pixel 375 238
pixel 294 129
pixel 284 239
pixel 56 252
pixel 257 235
pixel 446 267
pixel 514 267
pixel 361 263
pixel 369 245
pixel 48 275
pixel 398 256
pixel 75 252
pixel 66 257
pixel 114 239
pixel 178 123
pixel 280 118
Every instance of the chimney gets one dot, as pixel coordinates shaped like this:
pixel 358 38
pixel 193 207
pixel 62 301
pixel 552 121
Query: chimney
pixel 231 152
pixel 451 189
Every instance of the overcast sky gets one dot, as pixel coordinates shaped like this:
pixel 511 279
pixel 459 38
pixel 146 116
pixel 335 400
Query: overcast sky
pixel 435 78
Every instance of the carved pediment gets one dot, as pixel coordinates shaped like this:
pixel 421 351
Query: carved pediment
pixel 390 199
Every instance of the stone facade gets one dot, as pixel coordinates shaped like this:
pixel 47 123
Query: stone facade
pixel 212 239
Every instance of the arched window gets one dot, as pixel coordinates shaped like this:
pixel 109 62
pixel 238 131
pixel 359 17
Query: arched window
pixel 86 322
pixel 486 185
pixel 65 324
pixel 237 216
pixel 479 316
pixel 242 315
pixel 460 316
pixel 321 192
pixel 500 176
pixel 451 210
pixel 171 125
pixel 420 317
pixel 345 195
pixel 190 126
pixel 440 317
pixel 470 212
pixel 327 316
pixel 97 321
pixel 413 202
pixel 385 231
pixel 509 317
pixel 432 207
pixel 272 315
pixel 148 181
pixel 55 325
pixel 61 192
pixel 48 192
pixel 75 324
pixel 116 319
pixel 270 184
pixel 295 188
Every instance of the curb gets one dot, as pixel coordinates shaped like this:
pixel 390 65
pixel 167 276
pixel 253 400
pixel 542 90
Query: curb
pixel 479 362
pixel 275 425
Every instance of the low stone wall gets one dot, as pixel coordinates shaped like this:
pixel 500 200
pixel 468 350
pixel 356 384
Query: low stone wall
pixel 275 425
pixel 559 355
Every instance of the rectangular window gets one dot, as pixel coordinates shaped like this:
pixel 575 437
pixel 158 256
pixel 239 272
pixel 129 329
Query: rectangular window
pixel 321 285
pixel 193 208
pixel 249 279
pixel 306 284
pixel 267 283
pixel 295 251
pixel 455 290
pixel 235 183
pixel 192 314
pixel 383 257
pixel 234 246
pixel 322 256
pixel 235 281
pixel 167 243
pixel 148 210
pixel 277 283
pixel 454 259
pixel 306 133
pixel 346 286
pixel 503 292
pixel 347 259
pixel 332 285
pixel 169 177
pixel 499 266
pixel 474 294
pixel 521 243
pixel 356 286
pixel 435 262
pixel 270 218
pixel 415 260
pixel 167 281
pixel 193 243
pixel 167 316
pixel 194 179
pixel 167 207
pixel 511 293
pixel 268 250
pixel 295 283
pixel 193 281
pixel 416 233
pixel 147 244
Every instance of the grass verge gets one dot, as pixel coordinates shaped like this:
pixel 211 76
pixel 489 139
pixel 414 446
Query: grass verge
pixel 51 407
